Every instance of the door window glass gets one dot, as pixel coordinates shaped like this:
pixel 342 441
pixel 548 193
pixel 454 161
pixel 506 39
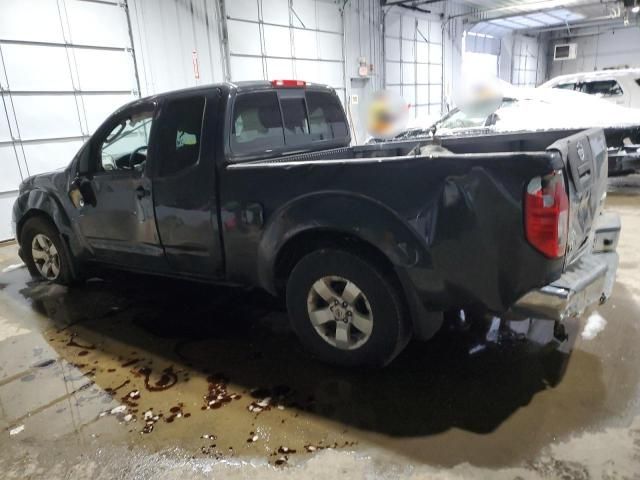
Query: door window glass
pixel 125 146
pixel 604 88
pixel 179 134
pixel 257 124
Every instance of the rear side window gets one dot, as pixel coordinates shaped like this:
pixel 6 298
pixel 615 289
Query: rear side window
pixel 605 88
pixel 566 86
pixel 180 134
pixel 257 124
pixel 326 120
pixel 638 81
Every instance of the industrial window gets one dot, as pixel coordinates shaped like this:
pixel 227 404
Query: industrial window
pixel 605 88
pixel 296 125
pixel 179 134
pixel 257 124
pixel 326 119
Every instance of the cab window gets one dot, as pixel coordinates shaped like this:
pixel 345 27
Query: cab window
pixel 326 120
pixel 604 88
pixel 256 123
pixel 124 148
pixel 296 124
pixel 179 134
pixel 566 86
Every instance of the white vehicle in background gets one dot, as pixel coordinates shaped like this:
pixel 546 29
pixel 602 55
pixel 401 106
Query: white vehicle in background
pixel 524 109
pixel 621 87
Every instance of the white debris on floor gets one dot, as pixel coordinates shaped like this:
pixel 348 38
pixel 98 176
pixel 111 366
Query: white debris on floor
pixel 16 430
pixel 595 324
pixel 12 267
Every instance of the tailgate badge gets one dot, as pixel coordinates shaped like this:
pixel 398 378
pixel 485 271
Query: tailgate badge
pixel 580 149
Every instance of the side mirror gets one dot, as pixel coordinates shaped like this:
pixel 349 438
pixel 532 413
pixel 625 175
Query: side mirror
pixel 81 192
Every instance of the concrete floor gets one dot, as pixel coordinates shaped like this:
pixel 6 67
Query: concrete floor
pixel 149 378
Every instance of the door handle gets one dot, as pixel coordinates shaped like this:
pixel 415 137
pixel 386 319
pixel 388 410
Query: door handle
pixel 141 192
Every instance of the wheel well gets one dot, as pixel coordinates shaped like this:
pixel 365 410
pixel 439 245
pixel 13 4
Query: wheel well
pixel 306 242
pixel 34 212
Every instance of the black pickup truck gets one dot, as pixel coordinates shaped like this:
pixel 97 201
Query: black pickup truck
pixel 255 184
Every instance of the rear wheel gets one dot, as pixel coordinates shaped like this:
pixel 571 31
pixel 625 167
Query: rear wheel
pixel 345 310
pixel 43 251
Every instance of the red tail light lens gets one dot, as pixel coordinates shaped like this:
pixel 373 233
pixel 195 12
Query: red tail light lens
pixel 546 213
pixel 288 83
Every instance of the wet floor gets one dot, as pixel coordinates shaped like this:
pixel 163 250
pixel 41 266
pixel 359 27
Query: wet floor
pixel 146 377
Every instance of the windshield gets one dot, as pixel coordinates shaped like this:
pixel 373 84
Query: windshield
pixel 459 119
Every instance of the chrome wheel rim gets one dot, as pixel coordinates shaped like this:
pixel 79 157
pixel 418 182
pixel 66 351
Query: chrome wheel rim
pixel 340 312
pixel 45 256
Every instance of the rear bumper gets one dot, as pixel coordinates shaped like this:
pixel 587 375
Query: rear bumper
pixel 586 282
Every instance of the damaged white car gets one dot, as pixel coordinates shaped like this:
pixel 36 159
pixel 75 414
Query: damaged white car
pixel 535 110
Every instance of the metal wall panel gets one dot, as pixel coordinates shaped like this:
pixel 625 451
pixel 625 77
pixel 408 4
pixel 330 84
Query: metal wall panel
pixel 10 178
pixel 94 23
pixel 5 131
pixel 98 107
pixel 329 46
pixel 244 38
pixel 7 200
pixel 277 12
pixel 46 116
pixel 40 16
pixel 45 156
pixel 248 9
pixel 104 70
pixel 34 67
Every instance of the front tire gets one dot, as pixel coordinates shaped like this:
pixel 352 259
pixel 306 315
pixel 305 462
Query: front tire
pixel 43 251
pixel 346 310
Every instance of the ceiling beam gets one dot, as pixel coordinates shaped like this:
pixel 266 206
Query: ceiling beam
pixel 528 9
pixel 404 3
pixel 594 22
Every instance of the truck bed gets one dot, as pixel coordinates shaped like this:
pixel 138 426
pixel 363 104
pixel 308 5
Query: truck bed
pixel 452 205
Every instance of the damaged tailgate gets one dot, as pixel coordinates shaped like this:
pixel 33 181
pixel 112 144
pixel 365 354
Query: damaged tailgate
pixel 585 157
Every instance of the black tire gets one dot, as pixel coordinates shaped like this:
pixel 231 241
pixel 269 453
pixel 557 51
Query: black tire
pixel 391 329
pixel 44 226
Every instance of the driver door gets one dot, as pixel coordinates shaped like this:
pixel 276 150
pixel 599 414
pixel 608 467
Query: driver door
pixel 117 218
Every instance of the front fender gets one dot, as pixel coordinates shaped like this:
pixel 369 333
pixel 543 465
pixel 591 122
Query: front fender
pixel 342 212
pixel 40 201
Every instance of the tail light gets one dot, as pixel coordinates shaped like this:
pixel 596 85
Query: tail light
pixel 546 214
pixel 288 83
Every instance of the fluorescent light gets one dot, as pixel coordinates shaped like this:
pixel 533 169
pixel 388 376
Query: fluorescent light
pixel 636 9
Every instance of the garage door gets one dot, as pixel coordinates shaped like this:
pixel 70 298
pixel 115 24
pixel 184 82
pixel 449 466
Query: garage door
pixel 529 62
pixel 276 39
pixel 66 64
pixel 413 61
